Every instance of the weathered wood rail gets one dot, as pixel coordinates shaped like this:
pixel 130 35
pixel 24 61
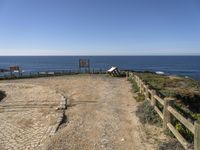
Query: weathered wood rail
pixel 168 112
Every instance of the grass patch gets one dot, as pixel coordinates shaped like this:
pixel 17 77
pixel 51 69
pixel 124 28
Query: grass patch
pixel 140 97
pixel 171 145
pixel 187 93
pixel 147 114
pixel 135 88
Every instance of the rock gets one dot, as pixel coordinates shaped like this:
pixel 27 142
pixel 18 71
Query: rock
pixel 122 140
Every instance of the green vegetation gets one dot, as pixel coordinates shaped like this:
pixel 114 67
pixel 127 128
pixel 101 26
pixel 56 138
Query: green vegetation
pixel 140 97
pixel 135 88
pixel 185 90
pixel 147 114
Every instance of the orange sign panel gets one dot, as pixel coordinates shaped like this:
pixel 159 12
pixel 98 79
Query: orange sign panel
pixel 84 63
pixel 13 68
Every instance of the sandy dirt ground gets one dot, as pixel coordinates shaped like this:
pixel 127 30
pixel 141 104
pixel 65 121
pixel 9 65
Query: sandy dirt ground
pixel 28 116
pixel 100 114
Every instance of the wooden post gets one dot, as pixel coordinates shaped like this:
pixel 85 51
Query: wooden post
pixel 135 77
pixel 168 101
pixel 140 85
pixel 153 100
pixel 130 74
pixel 127 74
pixel 146 92
pixel 196 135
pixel 143 89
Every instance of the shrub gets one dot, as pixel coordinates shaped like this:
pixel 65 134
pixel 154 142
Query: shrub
pixel 140 97
pixel 186 90
pixel 147 114
pixel 135 88
pixel 171 145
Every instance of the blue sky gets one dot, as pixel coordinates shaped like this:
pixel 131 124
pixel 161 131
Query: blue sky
pixel 99 27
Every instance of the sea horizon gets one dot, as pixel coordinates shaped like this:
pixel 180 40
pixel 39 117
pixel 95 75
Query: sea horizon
pixel 99 55
pixel 187 66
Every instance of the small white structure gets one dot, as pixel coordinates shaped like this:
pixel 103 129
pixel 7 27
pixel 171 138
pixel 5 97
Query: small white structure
pixel 160 72
pixel 114 71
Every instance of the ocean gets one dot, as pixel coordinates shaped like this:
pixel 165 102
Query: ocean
pixel 173 65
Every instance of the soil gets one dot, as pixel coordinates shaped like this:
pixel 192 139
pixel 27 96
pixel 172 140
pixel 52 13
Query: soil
pixel 101 114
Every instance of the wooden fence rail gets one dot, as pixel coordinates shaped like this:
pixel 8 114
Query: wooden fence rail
pixel 168 112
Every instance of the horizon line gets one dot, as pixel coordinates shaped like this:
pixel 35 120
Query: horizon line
pixel 99 55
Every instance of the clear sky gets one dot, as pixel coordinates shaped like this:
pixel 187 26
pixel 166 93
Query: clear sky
pixel 99 27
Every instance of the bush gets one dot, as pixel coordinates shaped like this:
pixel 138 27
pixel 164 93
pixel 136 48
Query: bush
pixel 135 88
pixel 147 114
pixel 140 97
pixel 186 90
pixel 171 145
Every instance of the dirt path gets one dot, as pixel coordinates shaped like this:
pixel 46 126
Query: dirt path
pixel 101 114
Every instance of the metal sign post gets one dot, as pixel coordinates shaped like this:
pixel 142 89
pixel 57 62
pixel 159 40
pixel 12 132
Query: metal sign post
pixel 13 69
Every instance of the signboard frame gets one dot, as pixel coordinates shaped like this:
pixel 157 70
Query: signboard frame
pixel 85 64
pixel 13 69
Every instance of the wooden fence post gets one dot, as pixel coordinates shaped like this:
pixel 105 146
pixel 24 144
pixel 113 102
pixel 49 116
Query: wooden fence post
pixel 153 100
pixel 136 79
pixel 197 135
pixel 146 92
pixel 127 74
pixel 131 74
pixel 168 101
pixel 143 88
pixel 138 82
pixel 140 85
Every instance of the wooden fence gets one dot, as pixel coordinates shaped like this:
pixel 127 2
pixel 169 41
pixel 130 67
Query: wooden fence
pixel 168 112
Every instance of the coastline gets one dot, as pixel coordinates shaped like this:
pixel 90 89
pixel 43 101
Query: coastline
pixel 172 65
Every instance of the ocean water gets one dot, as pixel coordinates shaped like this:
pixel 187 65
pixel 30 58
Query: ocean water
pixel 174 65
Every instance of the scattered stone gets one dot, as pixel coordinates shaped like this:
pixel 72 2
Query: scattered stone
pixel 122 140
